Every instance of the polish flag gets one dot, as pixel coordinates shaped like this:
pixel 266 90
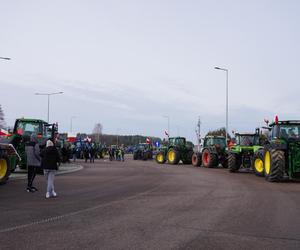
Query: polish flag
pixel 3 132
pixel 148 141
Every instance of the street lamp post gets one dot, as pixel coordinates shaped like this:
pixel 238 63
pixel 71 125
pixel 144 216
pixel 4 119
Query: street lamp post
pixel 168 117
pixel 226 70
pixel 48 95
pixel 71 123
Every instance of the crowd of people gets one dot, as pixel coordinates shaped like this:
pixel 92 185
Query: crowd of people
pixel 116 153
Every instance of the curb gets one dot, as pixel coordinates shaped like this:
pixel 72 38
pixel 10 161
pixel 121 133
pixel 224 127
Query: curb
pixel 23 175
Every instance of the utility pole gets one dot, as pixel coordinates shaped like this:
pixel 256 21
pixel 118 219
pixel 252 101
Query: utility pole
pixel 198 133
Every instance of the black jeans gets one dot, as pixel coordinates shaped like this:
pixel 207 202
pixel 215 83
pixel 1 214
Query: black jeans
pixel 31 175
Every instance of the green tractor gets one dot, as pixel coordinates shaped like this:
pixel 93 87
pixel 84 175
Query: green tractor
pixel 143 151
pixel 24 128
pixel 8 159
pixel 280 156
pixel 177 149
pixel 242 152
pixel 212 154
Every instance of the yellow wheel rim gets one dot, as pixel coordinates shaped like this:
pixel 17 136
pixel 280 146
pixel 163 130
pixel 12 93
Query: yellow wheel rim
pixel 171 156
pixel 160 158
pixel 267 162
pixel 3 168
pixel 259 165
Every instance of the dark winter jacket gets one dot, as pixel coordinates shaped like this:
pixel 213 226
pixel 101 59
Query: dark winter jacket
pixel 50 158
pixel 32 150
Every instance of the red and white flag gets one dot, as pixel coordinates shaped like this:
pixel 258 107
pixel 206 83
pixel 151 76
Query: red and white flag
pixel 3 132
pixel 148 141
pixel 266 121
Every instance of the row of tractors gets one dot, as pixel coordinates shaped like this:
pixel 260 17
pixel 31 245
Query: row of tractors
pixel 274 154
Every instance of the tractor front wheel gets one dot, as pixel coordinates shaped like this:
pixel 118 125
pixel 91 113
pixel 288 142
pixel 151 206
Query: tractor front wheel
pixel 258 163
pixel 233 163
pixel 209 159
pixel 274 164
pixel 188 158
pixel 224 163
pixel 160 157
pixel 4 170
pixel 173 156
pixel 196 159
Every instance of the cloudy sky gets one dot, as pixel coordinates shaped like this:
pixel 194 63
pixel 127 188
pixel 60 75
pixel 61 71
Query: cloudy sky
pixel 129 63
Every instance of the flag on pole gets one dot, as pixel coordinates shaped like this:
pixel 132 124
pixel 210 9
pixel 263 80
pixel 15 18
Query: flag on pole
pixel 148 141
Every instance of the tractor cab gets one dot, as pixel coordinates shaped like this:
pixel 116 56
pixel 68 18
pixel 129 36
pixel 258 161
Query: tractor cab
pixel 177 141
pixel 24 129
pixel 246 139
pixel 218 141
pixel 285 130
pixel 40 128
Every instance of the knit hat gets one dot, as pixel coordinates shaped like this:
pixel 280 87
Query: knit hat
pixel 49 143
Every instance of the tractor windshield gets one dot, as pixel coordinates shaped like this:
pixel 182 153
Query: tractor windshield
pixel 247 140
pixel 217 141
pixel 177 141
pixel 25 127
pixel 289 131
pixel 143 146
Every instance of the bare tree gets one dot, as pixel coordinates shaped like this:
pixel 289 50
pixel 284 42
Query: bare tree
pixel 97 131
pixel 2 120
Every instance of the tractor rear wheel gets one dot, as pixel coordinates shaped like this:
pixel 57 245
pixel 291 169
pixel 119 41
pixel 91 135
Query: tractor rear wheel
pixel 4 170
pixel 173 156
pixel 196 159
pixel 233 163
pixel 160 157
pixel 258 163
pixel 209 159
pixel 274 164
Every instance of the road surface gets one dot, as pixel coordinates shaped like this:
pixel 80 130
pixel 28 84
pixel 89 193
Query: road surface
pixel 144 205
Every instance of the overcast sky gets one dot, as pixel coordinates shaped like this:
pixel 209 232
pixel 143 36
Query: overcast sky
pixel 127 64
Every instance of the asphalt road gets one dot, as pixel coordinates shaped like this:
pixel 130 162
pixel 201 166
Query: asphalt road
pixel 143 205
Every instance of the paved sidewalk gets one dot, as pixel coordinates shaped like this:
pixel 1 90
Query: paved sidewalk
pixel 63 169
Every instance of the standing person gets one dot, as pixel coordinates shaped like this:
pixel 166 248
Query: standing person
pixel 73 151
pixel 32 149
pixel 87 151
pixel 50 160
pixel 92 152
pixel 122 152
pixel 110 153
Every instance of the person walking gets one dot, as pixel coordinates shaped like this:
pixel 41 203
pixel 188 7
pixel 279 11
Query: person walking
pixel 32 149
pixel 50 161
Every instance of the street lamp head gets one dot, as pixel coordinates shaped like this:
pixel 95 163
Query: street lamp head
pixel 5 58
pixel 221 68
